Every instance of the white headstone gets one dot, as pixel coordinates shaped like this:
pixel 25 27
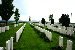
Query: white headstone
pixel 17 36
pixel 0 1
pixel 49 35
pixel 53 28
pixel 14 25
pixel 41 30
pixel 69 32
pixel 6 27
pixel 0 29
pixel 18 33
pixel 8 45
pixel 46 33
pixel 69 45
pixel 11 43
pixel 60 41
pixel 1 48
pixel 60 31
pixel 70 28
pixel 57 30
pixel 63 27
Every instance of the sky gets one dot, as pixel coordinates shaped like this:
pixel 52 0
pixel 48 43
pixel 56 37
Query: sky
pixel 39 9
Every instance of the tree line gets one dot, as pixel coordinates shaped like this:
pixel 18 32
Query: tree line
pixel 64 20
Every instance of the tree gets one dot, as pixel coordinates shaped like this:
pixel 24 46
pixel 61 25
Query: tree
pixel 43 21
pixel 51 19
pixel 17 15
pixel 6 10
pixel 29 18
pixel 64 20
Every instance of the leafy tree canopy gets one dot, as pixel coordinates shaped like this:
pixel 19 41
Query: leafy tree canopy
pixel 50 17
pixel 17 15
pixel 6 9
pixel 64 20
pixel 43 21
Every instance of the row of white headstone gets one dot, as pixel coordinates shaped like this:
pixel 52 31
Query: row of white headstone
pixel 19 32
pixel 3 29
pixel 69 43
pixel 39 24
pixel 15 25
pixel 59 26
pixel 47 33
pixel 62 27
pixel 9 44
pixel 61 30
pixel 20 23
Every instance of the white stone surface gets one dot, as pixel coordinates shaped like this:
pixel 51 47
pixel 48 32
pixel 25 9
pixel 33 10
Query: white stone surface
pixel 1 48
pixel 11 43
pixel 60 41
pixel 69 45
pixel 0 29
pixel 18 33
pixel 70 28
pixel 69 32
pixel 6 27
pixel 63 27
pixel 46 33
pixel 8 45
pixel 50 36
pixel 14 25
pixel 57 30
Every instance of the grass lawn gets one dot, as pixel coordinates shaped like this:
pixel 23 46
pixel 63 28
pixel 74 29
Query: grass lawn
pixel 6 35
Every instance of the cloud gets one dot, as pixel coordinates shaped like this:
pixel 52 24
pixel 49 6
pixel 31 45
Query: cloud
pixel 43 8
pixel 24 18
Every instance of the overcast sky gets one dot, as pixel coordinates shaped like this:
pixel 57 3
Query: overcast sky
pixel 38 9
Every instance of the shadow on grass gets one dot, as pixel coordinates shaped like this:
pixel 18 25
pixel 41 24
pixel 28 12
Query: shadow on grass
pixel 41 34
